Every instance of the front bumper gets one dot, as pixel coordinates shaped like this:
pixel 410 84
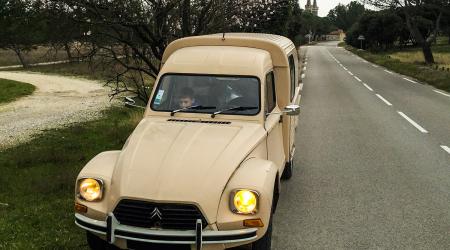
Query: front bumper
pixel 113 230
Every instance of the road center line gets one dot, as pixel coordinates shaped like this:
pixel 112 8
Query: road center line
pixel 368 87
pixel 420 128
pixel 447 149
pixel 384 100
pixel 387 71
pixel 442 93
pixel 357 78
pixel 409 80
pixel 350 73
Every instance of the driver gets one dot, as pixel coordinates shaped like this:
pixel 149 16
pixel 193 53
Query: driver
pixel 187 98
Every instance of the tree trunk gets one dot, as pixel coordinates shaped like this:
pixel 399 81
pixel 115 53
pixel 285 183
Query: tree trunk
pixel 449 37
pixel 20 56
pixel 429 58
pixel 186 18
pixel 415 32
pixel 69 54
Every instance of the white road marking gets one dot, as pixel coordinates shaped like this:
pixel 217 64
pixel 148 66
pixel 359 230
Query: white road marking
pixel 304 68
pixel 303 76
pixel 345 68
pixel 368 87
pixel 409 80
pixel 301 86
pixel 387 71
pixel 350 73
pixel 376 66
pixel 420 128
pixel 442 93
pixel 357 78
pixel 447 149
pixel 306 63
pixel 384 100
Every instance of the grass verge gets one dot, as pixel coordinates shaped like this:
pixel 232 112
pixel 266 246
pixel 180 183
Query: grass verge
pixel 12 90
pixel 37 181
pixel 424 73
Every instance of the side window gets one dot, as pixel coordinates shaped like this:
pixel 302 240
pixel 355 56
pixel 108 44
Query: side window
pixel 293 74
pixel 271 98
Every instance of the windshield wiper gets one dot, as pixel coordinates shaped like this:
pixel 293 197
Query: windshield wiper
pixel 238 108
pixel 195 107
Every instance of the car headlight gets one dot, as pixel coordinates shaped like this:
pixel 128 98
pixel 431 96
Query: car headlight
pixel 90 189
pixel 244 201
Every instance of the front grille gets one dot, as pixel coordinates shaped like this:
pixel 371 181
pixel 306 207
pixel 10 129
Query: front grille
pixel 156 215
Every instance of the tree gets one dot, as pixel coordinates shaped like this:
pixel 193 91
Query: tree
pixel 21 26
pixel 416 12
pixel 131 35
pixel 380 28
pixel 344 16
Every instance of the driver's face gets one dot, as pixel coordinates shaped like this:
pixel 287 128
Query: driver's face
pixel 185 102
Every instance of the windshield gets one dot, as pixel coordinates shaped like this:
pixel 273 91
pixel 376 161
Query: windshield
pixel 236 95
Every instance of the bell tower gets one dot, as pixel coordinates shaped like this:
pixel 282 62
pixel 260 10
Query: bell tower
pixel 315 8
pixel 312 8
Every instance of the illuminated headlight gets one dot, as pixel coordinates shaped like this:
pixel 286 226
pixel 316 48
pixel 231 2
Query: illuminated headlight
pixel 244 201
pixel 90 189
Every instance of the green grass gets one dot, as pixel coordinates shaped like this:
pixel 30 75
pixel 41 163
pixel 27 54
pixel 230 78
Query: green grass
pixel 37 181
pixel 409 62
pixel 12 90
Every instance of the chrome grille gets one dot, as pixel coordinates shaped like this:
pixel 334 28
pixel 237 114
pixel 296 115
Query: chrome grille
pixel 155 215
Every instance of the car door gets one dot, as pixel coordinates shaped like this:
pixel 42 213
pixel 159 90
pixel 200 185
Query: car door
pixel 275 150
pixel 295 99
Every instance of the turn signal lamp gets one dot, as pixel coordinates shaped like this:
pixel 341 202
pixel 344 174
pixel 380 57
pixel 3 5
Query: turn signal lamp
pixel 253 223
pixel 79 208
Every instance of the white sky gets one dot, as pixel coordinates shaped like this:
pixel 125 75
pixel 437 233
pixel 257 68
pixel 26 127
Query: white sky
pixel 325 5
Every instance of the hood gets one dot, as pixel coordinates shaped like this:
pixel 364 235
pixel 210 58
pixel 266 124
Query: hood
pixel 182 162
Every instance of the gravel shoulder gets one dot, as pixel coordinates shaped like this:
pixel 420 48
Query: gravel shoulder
pixel 57 101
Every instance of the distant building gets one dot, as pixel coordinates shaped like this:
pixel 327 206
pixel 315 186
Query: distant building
pixel 312 8
pixel 337 35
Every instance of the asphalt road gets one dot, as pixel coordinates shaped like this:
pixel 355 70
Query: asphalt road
pixel 372 168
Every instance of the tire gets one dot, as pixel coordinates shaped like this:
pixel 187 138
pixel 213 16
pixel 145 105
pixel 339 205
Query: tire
pixel 95 243
pixel 265 243
pixel 288 169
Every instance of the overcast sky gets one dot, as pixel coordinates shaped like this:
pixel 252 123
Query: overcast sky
pixel 325 5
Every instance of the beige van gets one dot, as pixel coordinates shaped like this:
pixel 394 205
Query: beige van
pixel 202 169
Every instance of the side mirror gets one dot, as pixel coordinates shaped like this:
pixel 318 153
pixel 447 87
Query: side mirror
pixel 292 110
pixel 131 103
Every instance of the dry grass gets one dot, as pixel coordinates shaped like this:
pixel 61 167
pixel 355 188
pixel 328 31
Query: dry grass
pixel 441 58
pixel 408 62
pixel 38 55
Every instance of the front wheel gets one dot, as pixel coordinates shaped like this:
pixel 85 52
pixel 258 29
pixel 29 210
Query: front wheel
pixel 265 243
pixel 288 170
